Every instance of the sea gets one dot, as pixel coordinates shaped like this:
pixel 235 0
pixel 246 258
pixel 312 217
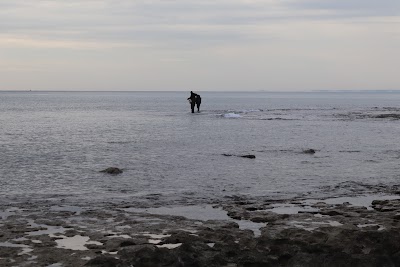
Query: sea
pixel 54 145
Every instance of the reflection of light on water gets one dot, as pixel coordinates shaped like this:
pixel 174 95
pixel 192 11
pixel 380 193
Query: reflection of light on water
pixel 311 226
pixel 50 230
pixel 231 115
pixel 155 238
pixel 170 246
pixel 77 242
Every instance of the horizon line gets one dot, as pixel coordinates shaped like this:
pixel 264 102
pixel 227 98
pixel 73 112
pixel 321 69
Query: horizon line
pixel 215 91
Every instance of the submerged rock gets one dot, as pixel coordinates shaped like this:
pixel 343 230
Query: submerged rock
pixel 112 170
pixel 309 151
pixel 240 156
pixel 387 116
pixel 248 156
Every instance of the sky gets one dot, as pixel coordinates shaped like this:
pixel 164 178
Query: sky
pixel 207 45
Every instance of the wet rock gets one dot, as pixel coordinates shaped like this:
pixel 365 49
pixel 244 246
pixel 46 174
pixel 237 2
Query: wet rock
pixel 319 205
pixel 259 220
pixel 112 170
pixel 234 215
pixel 267 217
pixel 309 151
pixel 71 233
pixel 230 225
pixel 116 243
pixel 127 243
pixel 148 256
pixel 94 246
pixel 380 202
pixel 331 212
pixel 181 237
pixel 386 205
pixel 104 261
pixel 199 254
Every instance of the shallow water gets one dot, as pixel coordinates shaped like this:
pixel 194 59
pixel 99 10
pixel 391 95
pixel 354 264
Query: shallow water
pixel 55 144
pixel 202 213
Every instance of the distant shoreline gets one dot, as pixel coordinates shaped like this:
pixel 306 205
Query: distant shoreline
pixel 259 91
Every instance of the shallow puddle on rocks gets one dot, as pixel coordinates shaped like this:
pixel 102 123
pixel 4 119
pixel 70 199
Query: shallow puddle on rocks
pixel 77 242
pixel 49 230
pixel 201 213
pixel 155 238
pixel 311 226
pixel 9 212
pixel 25 249
pixel 170 246
pixel 291 209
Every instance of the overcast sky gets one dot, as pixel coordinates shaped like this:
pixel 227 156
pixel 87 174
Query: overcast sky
pixel 273 45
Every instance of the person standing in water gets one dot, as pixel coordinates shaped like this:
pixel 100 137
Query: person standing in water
pixel 198 102
pixel 192 100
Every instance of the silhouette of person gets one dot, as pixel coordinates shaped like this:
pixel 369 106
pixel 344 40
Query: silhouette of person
pixel 198 102
pixel 192 100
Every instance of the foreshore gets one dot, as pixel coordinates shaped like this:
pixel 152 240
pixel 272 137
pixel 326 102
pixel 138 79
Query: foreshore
pixel 352 230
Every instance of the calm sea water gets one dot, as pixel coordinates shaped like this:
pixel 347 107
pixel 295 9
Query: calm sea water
pixel 55 144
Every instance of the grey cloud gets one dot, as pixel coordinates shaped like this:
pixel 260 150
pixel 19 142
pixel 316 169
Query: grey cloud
pixel 161 21
pixel 351 7
pixel 155 21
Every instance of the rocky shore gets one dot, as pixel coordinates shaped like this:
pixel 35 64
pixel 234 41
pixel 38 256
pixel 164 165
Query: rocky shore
pixel 345 231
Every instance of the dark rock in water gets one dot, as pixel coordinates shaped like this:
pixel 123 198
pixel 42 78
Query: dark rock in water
pixel 240 156
pixel 331 212
pixel 148 256
pixel 309 151
pixel 248 156
pixel 104 261
pixel 112 170
pixel 387 116
pixel 94 246
pixel 127 243
pixel 181 237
